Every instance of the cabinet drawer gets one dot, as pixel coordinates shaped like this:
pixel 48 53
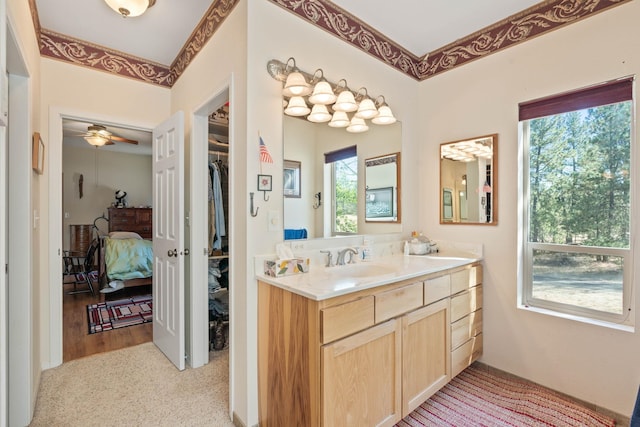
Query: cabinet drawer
pixel 465 328
pixel 465 355
pixel 397 301
pixel 466 302
pixel 344 319
pixel 465 279
pixel 437 289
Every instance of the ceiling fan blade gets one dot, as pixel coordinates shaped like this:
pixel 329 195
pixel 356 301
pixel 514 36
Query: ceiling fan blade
pixel 121 139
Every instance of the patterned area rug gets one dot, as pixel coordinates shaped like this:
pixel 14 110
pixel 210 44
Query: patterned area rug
pixel 109 315
pixel 480 398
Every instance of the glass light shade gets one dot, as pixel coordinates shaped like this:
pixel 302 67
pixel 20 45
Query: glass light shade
pixel 357 125
pixel 322 94
pixel 129 7
pixel 319 114
pixel 96 140
pixel 367 109
pixel 346 102
pixel 339 120
pixel 384 117
pixel 296 85
pixel 297 107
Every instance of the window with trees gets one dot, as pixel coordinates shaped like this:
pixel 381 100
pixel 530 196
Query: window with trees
pixel 577 171
pixel 344 179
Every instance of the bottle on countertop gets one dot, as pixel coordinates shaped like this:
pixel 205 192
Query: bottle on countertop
pixel 367 253
pixel 407 249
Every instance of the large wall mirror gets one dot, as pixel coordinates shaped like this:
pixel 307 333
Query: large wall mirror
pixel 468 181
pixel 311 215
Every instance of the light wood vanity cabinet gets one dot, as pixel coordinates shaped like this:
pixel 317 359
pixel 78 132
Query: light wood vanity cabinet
pixel 367 358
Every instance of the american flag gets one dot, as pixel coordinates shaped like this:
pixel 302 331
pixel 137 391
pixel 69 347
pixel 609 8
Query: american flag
pixel 265 157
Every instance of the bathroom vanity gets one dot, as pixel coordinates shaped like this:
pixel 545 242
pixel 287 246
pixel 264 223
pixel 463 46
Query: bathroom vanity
pixel 365 344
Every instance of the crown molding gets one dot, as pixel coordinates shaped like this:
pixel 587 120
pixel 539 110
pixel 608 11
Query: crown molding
pixel 542 18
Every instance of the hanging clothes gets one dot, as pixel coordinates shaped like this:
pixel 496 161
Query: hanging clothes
pixel 217 213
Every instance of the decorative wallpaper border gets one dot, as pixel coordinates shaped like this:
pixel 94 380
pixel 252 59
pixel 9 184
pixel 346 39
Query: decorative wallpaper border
pixel 208 25
pixel 541 18
pixel 544 17
pixel 79 52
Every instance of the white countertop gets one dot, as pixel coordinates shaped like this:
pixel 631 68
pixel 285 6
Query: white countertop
pixel 327 282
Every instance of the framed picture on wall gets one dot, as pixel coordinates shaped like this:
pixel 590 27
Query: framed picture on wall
pixel 37 153
pixel 291 175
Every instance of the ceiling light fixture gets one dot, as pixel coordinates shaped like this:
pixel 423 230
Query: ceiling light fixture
pixel 96 140
pixel 130 8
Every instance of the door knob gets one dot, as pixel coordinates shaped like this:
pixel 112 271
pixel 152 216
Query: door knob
pixel 172 253
pixel 186 251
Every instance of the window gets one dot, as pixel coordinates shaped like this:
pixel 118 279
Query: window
pixel 344 175
pixel 577 202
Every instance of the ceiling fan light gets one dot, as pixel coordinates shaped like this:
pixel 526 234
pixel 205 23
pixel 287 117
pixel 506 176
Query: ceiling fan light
pixel 319 114
pixel 322 94
pixel 297 107
pixel 384 117
pixel 296 85
pixel 130 8
pixel 96 140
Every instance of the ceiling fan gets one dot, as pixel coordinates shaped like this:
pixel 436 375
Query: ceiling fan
pixel 98 135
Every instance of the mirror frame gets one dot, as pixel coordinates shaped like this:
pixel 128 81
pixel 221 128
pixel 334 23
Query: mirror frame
pixel 398 216
pixel 494 182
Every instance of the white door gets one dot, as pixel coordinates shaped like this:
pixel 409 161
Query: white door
pixel 168 240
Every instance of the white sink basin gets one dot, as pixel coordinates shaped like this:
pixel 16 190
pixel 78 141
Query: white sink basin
pixel 359 270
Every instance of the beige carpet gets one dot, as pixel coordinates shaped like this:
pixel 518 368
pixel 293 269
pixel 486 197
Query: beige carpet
pixel 136 386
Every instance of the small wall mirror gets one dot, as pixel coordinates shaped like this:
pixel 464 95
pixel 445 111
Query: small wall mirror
pixel 382 188
pixel 468 181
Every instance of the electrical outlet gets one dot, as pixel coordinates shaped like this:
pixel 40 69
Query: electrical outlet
pixel 297 246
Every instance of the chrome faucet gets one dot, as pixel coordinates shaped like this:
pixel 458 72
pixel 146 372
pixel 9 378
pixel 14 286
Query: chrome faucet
pixel 329 258
pixel 343 253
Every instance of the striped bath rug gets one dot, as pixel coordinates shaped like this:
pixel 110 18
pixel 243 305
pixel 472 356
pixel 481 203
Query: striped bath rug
pixel 109 315
pixel 477 397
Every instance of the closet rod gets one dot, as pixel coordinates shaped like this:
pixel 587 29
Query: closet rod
pixel 218 153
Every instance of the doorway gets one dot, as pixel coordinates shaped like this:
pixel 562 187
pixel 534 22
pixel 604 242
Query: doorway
pixel 91 177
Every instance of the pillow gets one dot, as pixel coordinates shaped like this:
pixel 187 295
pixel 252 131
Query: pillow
pixel 124 235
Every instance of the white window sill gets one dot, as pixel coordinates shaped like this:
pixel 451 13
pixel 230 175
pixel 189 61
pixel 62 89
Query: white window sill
pixel 625 327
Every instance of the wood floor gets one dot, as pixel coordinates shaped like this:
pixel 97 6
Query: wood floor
pixel 78 343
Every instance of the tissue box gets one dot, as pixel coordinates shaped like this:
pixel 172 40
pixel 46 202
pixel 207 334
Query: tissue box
pixel 286 267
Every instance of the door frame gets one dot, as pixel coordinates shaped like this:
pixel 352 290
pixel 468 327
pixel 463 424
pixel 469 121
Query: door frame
pixel 54 165
pixel 198 339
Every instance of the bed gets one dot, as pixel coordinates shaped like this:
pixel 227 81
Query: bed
pixel 126 260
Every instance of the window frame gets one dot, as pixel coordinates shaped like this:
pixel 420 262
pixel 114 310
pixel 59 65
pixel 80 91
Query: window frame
pixel 332 159
pixel 527 248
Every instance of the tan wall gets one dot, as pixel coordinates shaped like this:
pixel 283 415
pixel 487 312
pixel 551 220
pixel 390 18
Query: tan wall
pixel 594 363
pixel 103 172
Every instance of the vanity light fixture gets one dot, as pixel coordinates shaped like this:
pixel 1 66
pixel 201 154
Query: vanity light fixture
pixel 367 108
pixel 130 8
pixel 385 116
pixel 339 120
pixel 303 90
pixel 297 107
pixel 296 84
pixel 357 125
pixel 346 100
pixel 319 114
pixel 322 91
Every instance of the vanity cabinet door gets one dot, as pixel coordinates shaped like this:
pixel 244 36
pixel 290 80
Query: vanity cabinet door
pixel 361 378
pixel 425 354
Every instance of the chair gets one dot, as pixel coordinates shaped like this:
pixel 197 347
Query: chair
pixel 82 267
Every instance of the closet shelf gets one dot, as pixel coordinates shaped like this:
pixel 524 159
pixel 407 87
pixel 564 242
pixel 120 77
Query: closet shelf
pixel 224 256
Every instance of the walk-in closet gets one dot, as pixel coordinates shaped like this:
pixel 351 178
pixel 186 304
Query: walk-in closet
pixel 218 235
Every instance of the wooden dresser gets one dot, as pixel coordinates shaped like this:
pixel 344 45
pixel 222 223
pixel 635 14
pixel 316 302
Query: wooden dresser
pixel 131 219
